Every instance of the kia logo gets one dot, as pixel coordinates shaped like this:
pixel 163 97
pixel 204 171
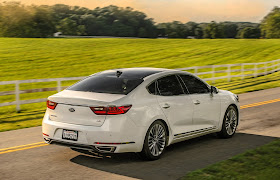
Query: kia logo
pixel 72 110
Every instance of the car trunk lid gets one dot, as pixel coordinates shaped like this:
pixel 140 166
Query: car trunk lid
pixel 74 107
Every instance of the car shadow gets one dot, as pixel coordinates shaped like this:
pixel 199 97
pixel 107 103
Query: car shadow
pixel 178 159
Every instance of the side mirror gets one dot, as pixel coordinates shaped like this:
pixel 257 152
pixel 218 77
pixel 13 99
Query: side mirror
pixel 214 90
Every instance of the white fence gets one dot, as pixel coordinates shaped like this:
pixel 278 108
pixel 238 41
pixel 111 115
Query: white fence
pixel 217 72
pixel 17 91
pixel 233 68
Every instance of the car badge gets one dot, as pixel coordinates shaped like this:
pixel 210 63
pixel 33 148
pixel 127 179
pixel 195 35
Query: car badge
pixel 72 110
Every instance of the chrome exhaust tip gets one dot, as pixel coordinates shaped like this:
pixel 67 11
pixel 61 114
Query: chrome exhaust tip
pixel 47 140
pixel 105 149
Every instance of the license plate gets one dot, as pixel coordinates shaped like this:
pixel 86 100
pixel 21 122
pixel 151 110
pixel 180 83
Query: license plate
pixel 70 135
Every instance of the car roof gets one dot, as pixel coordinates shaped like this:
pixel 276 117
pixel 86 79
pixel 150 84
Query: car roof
pixel 135 73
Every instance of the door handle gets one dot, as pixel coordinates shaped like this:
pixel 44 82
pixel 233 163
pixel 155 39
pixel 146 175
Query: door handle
pixel 196 102
pixel 165 106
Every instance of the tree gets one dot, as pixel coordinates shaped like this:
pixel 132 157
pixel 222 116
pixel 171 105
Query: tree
pixel 15 20
pixel 250 33
pixel 161 30
pixel 198 32
pixel 42 22
pixel 69 27
pixel 191 26
pixel 270 25
pixel 174 29
pixel 60 11
pixel 142 33
pixel 214 30
pixel 230 29
pixel 150 28
pixel 122 30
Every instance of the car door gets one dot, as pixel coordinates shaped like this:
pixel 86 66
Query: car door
pixel 207 106
pixel 175 104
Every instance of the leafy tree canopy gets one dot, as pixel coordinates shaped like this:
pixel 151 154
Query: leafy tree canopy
pixel 18 20
pixel 270 25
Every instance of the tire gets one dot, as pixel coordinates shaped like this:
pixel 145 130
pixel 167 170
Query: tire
pixel 230 123
pixel 156 137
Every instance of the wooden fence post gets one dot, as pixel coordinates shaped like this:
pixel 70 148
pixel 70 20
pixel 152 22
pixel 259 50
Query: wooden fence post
pixel 242 71
pixel 58 85
pixel 213 73
pixel 17 97
pixel 255 70
pixel 229 73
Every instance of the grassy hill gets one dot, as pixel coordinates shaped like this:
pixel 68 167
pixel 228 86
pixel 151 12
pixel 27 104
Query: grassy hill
pixel 50 58
pixel 53 58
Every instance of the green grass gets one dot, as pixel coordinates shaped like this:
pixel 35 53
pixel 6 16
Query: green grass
pixel 258 164
pixel 53 58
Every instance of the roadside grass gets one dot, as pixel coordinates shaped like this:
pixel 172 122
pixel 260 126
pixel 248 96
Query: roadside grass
pixel 29 58
pixel 251 84
pixel 31 115
pixel 261 163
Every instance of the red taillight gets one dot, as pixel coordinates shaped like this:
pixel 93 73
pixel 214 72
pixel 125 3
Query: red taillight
pixel 111 110
pixel 118 110
pixel 99 110
pixel 51 105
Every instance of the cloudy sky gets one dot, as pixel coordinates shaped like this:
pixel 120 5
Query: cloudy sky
pixel 183 10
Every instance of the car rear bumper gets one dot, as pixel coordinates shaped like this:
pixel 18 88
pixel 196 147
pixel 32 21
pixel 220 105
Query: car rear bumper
pixel 116 135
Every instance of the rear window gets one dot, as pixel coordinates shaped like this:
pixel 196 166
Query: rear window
pixel 106 84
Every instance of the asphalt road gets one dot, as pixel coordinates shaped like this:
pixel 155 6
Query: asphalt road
pixel 259 125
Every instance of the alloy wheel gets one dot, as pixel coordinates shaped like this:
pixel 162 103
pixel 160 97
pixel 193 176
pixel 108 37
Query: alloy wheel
pixel 231 121
pixel 156 139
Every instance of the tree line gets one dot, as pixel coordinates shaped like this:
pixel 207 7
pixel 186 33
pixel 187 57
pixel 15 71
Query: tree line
pixel 18 20
pixel 212 30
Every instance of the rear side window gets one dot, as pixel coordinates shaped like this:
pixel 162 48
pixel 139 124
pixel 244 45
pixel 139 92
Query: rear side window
pixel 194 85
pixel 169 86
pixel 152 88
pixel 106 84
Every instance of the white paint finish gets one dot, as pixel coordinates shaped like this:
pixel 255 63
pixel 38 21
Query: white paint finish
pixel 179 114
pixel 81 103
pixel 82 115
pixel 115 129
pixel 207 113
pixel 84 98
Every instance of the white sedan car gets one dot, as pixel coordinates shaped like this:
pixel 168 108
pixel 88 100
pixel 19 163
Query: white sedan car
pixel 138 110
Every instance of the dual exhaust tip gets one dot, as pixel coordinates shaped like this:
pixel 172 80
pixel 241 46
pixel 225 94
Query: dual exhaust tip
pixel 105 149
pixel 98 149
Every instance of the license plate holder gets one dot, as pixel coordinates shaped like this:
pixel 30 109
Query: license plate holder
pixel 70 135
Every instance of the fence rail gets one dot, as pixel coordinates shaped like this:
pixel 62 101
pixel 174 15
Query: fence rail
pixel 228 72
pixel 17 91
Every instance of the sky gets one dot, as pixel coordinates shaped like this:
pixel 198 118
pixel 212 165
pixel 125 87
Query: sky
pixel 182 10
